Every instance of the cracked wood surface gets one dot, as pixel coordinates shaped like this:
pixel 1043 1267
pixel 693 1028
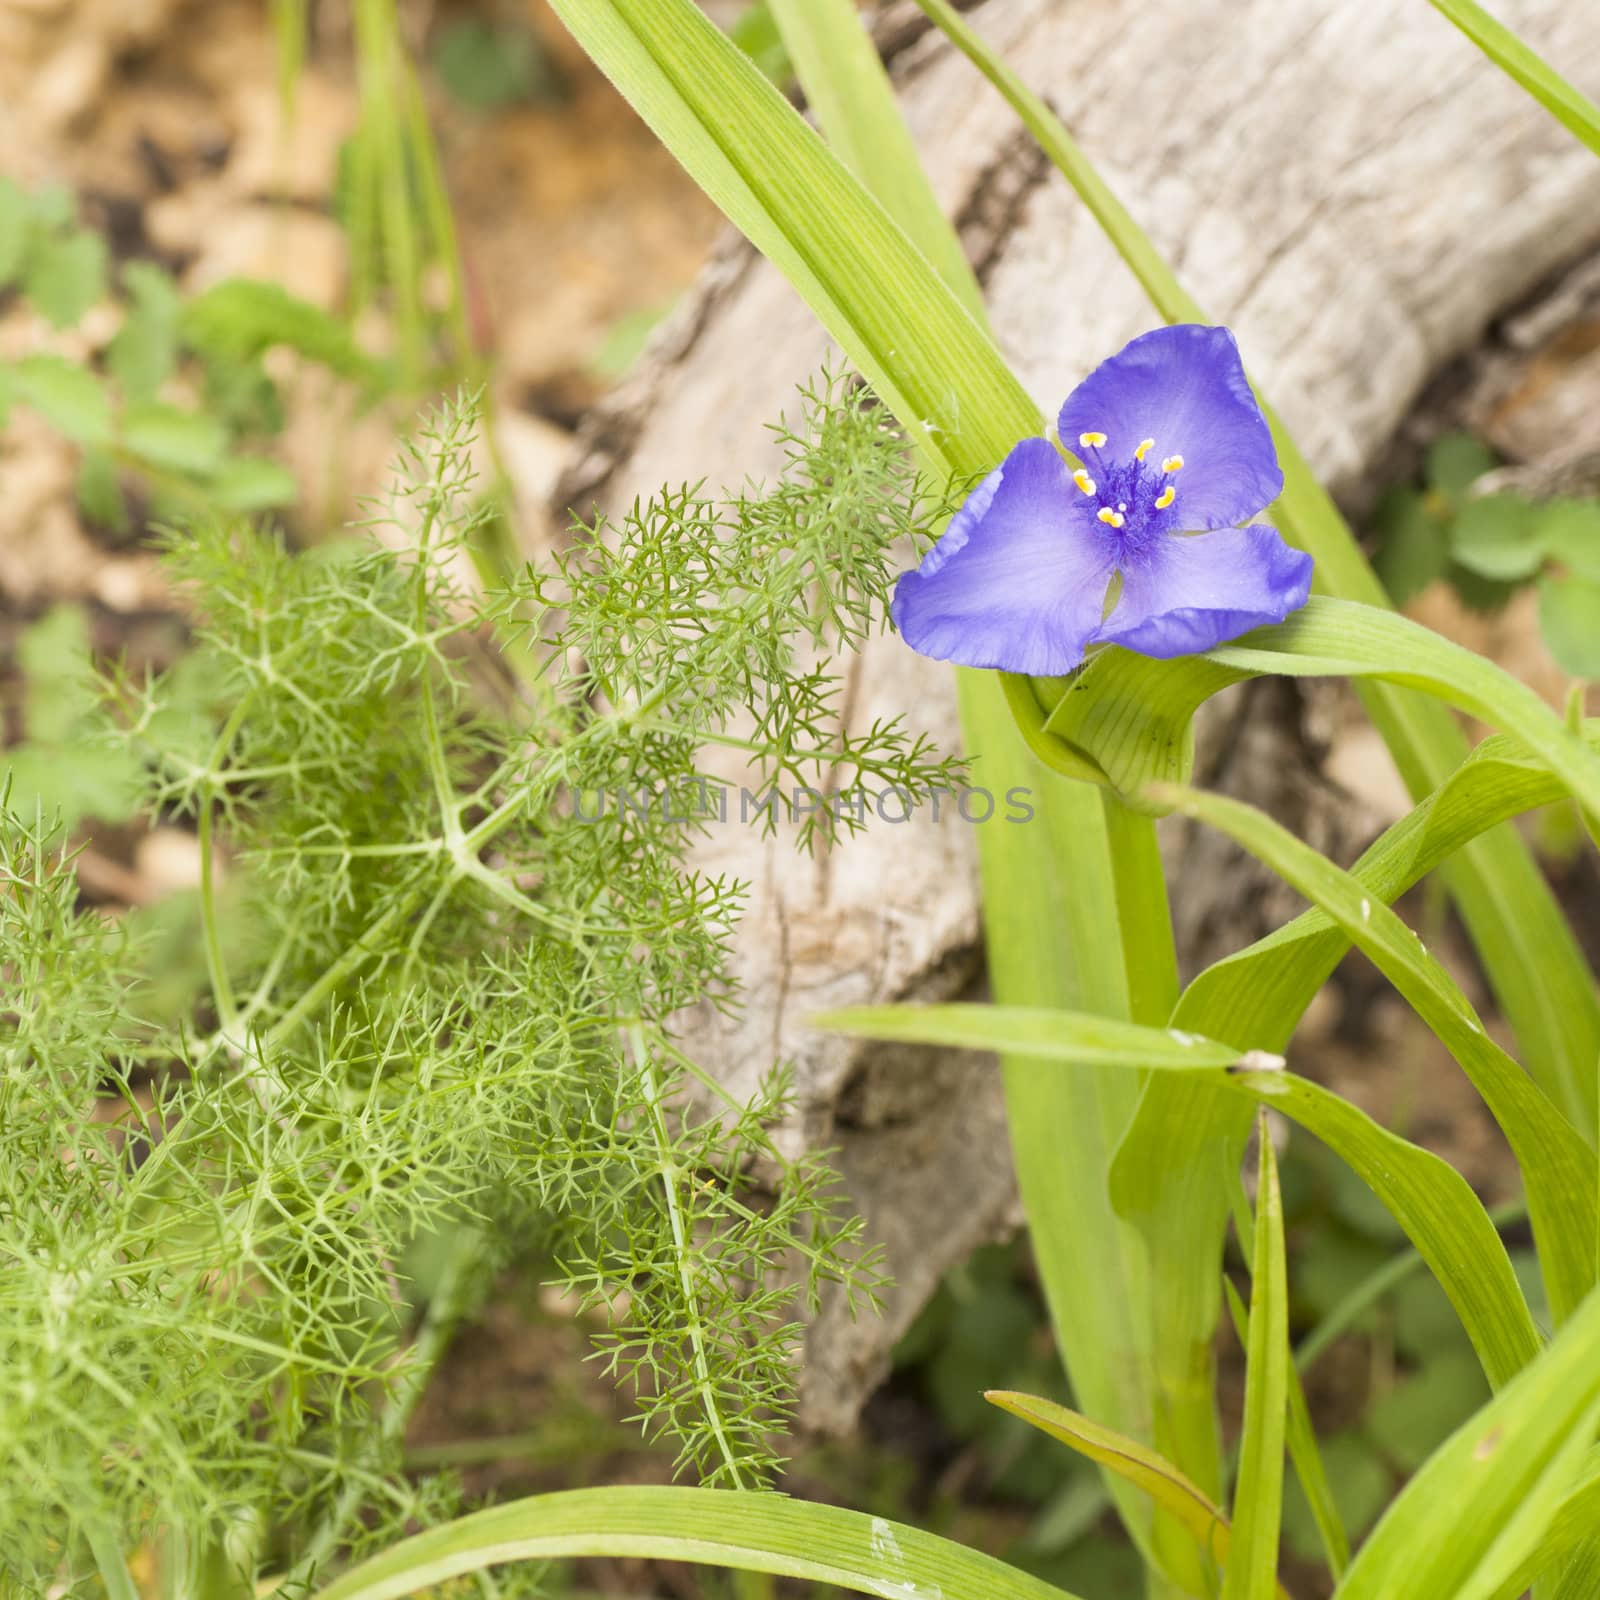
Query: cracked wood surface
pixel 1352 188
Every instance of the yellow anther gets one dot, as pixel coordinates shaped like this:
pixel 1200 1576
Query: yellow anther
pixel 1084 481
pixel 1091 441
pixel 1172 463
pixel 1166 497
pixel 1145 445
pixel 1112 519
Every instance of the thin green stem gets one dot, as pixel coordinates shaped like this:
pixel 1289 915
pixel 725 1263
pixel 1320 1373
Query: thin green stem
pixel 680 1241
pixel 1150 955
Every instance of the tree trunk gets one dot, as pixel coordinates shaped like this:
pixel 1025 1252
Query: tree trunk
pixel 1353 189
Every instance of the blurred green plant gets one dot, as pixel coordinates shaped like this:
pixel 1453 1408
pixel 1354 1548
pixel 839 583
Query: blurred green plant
pixel 1488 546
pixel 487 66
pixel 65 767
pixel 132 410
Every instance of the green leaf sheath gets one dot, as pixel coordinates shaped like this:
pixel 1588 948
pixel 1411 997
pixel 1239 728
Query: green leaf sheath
pixel 724 1528
pixel 1304 1450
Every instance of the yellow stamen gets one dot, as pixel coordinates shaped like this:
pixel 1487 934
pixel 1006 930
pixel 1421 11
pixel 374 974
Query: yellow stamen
pixel 1144 446
pixel 1172 463
pixel 1166 497
pixel 1091 441
pixel 1112 519
pixel 1084 481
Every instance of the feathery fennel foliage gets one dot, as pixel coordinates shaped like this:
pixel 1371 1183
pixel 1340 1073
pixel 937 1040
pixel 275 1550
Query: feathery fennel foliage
pixel 440 1003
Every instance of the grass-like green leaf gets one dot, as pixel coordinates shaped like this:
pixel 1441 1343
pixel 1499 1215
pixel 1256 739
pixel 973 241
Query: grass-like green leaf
pixel 722 1528
pixel 1519 61
pixel 838 65
pixel 1182 1500
pixel 1559 1171
pixel 1262 990
pixel 1303 1449
pixel 1470 1518
pixel 1132 714
pixel 1252 1568
pixel 1568 1545
pixel 776 180
pixel 1033 1032
pixel 1430 1200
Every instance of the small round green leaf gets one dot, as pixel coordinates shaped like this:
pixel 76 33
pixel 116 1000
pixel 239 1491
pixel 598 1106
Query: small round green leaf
pixel 165 436
pixel 1570 534
pixel 1569 617
pixel 1455 462
pixel 67 396
pixel 1497 537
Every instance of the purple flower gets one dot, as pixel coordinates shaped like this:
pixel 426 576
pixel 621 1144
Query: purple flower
pixel 1175 454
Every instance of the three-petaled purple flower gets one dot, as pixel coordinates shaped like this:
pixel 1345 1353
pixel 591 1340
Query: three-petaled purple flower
pixel 1175 454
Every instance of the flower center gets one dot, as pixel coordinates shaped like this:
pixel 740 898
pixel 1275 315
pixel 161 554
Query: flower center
pixel 1132 497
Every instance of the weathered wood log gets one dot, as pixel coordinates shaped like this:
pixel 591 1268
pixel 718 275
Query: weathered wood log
pixel 1351 187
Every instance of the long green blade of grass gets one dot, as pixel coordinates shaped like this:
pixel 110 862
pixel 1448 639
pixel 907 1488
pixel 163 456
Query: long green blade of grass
pixel 1252 1570
pixel 1263 989
pixel 1559 1171
pixel 1034 1033
pixel 839 69
pixel 1432 1202
pixel 1567 1545
pixel 1303 1451
pixel 774 178
pixel 709 1527
pixel 1517 60
pixel 1183 1501
pixel 1485 1499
